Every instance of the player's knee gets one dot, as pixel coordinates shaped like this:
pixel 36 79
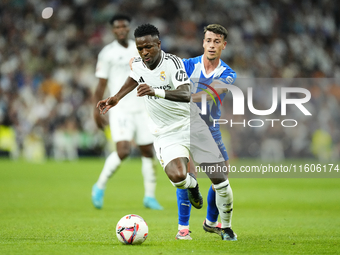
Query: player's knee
pixel 123 149
pixel 148 154
pixel 174 174
pixel 146 150
pixel 176 170
pixel 123 153
pixel 176 177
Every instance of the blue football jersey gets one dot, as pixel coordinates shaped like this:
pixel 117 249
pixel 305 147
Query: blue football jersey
pixel 198 77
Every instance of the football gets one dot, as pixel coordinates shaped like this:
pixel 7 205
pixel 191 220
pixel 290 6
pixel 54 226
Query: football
pixel 132 229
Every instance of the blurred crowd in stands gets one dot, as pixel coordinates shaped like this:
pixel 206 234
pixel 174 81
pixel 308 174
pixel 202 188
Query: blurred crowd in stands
pixel 47 69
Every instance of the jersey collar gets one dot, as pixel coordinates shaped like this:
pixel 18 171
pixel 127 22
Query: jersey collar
pixel 162 58
pixel 212 73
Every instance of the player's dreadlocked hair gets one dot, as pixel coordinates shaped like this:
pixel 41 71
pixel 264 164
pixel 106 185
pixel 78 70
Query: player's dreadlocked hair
pixel 146 29
pixel 217 29
pixel 119 17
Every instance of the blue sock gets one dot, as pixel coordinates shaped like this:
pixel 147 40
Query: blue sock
pixel 212 211
pixel 184 207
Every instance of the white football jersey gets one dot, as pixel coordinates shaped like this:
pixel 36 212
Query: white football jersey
pixel 165 115
pixel 113 65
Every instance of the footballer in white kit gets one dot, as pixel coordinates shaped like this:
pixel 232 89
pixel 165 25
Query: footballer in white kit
pixel 170 121
pixel 161 79
pixel 126 120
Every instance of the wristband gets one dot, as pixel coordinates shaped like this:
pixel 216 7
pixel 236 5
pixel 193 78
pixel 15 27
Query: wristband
pixel 160 93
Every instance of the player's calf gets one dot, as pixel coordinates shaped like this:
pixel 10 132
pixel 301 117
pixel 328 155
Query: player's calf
pixel 224 202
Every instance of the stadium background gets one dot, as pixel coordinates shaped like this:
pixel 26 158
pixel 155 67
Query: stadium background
pixel 47 69
pixel 46 82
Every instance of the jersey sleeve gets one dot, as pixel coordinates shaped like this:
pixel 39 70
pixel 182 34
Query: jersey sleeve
pixel 188 66
pixel 103 65
pixel 134 75
pixel 177 72
pixel 228 76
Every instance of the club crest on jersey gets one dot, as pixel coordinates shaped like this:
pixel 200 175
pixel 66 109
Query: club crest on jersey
pixel 162 77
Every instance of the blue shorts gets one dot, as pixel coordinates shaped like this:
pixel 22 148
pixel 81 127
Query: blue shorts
pixel 218 139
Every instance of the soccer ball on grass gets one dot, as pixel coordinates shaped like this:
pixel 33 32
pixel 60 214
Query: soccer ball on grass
pixel 132 229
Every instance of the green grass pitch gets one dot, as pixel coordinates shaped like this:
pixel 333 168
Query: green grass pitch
pixel 46 209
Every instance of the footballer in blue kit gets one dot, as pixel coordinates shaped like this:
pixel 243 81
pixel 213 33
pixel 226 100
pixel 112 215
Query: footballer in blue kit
pixel 199 79
pixel 205 72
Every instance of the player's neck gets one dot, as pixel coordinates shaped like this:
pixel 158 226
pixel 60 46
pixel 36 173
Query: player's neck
pixel 210 64
pixel 124 43
pixel 155 64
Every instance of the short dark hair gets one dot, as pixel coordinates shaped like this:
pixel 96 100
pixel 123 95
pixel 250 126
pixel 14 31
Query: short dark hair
pixel 146 29
pixel 217 29
pixel 119 17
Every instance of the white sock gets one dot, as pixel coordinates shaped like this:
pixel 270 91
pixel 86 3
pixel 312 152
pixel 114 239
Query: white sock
pixel 188 182
pixel 149 176
pixel 112 162
pixel 180 227
pixel 210 223
pixel 224 202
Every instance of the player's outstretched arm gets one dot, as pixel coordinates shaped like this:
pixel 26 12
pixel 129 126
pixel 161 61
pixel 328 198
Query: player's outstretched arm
pixel 106 104
pixel 198 96
pixel 180 94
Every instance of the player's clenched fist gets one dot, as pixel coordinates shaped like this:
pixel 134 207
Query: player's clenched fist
pixel 145 90
pixel 107 104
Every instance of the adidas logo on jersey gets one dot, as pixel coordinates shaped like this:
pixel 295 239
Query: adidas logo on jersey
pixel 141 80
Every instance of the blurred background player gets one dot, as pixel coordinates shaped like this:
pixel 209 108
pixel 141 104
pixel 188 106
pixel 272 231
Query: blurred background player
pixel 209 69
pixel 125 119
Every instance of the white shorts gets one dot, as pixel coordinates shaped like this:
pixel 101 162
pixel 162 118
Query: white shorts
pixel 200 144
pixel 172 145
pixel 127 126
